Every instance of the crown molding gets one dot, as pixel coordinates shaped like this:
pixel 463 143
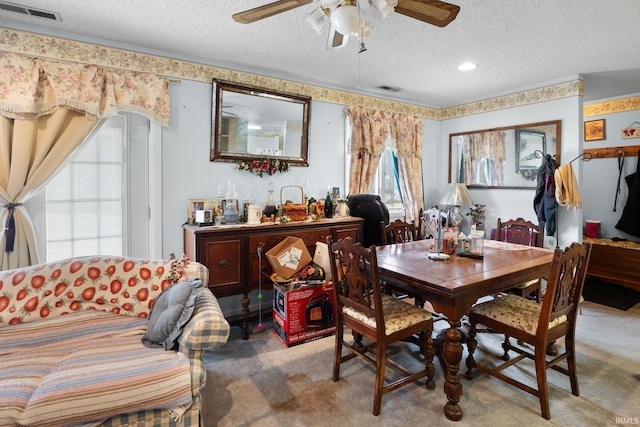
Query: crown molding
pixel 57 48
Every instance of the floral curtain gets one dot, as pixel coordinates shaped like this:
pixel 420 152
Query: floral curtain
pixel 47 110
pixel 369 131
pixel 407 131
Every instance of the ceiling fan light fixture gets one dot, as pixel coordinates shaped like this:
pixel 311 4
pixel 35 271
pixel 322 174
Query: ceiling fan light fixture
pixel 386 7
pixel 316 19
pixel 330 4
pixel 346 19
pixel 364 31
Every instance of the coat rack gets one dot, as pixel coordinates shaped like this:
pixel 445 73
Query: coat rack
pixel 602 153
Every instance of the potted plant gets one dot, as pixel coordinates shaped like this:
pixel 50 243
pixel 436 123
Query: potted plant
pixel 477 214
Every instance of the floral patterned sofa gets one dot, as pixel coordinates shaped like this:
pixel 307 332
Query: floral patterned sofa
pixel 72 350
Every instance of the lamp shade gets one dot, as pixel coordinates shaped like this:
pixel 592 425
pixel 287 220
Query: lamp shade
pixel 456 194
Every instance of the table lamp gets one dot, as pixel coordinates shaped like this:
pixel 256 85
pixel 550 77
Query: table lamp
pixel 455 195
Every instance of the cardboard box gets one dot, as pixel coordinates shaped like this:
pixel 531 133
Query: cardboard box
pixel 288 256
pixel 304 314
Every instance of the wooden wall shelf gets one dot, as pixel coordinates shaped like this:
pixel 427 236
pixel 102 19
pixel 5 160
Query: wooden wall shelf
pixel 601 153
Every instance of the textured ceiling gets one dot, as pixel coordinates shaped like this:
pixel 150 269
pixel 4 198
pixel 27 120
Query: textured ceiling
pixel 516 44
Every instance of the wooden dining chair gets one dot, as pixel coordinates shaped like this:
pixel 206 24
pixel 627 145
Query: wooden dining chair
pixel 537 325
pixel 523 232
pixel 398 231
pixel 376 320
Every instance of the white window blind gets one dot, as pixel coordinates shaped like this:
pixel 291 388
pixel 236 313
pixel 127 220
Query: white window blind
pixel 85 201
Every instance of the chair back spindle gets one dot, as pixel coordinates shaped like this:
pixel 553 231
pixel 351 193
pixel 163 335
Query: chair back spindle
pixel 565 284
pixel 359 270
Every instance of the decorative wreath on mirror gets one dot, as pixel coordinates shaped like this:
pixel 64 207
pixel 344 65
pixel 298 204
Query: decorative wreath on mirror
pixel 263 166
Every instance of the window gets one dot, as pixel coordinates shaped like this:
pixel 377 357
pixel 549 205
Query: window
pixel 386 182
pixel 86 201
pixel 107 201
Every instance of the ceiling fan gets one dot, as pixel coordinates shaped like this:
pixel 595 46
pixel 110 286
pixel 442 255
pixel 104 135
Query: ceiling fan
pixel 345 14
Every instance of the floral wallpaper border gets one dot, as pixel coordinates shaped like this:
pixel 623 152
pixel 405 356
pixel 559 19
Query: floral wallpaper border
pixel 613 106
pixel 64 49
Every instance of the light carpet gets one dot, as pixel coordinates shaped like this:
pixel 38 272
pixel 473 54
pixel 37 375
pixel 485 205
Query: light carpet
pixel 260 382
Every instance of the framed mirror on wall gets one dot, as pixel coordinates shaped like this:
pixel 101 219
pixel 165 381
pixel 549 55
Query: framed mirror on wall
pixel 251 123
pixel 506 157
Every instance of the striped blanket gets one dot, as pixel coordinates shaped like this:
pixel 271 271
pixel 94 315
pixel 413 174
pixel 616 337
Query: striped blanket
pixel 54 373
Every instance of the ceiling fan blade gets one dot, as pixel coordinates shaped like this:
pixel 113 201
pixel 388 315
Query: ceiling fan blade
pixel 336 40
pixel 431 11
pixel 258 13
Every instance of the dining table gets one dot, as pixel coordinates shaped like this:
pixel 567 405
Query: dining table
pixel 454 284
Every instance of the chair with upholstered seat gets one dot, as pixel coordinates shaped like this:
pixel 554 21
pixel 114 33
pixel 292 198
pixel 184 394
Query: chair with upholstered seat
pixel 537 325
pixel 527 233
pixel 376 320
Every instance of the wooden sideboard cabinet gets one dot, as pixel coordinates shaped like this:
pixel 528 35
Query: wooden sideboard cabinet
pixel 615 262
pixel 231 252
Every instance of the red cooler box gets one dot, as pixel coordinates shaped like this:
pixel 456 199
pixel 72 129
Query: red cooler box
pixel 304 314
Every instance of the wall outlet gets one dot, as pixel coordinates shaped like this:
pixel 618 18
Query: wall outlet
pixel 221 191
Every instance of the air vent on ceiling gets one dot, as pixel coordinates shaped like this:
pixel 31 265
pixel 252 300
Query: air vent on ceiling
pixel 388 88
pixel 10 7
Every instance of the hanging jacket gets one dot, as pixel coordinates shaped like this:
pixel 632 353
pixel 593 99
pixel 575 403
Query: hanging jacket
pixel 544 201
pixel 630 220
pixel 567 190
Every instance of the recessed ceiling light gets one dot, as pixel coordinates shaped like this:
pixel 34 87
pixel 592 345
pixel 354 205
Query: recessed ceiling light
pixel 467 66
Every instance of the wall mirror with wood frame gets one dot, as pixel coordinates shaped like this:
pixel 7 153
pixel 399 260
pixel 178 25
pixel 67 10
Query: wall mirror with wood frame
pixel 505 157
pixel 251 123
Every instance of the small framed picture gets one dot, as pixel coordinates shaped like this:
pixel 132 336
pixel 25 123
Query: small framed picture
pixel 195 205
pixel 594 130
pixel 335 193
pixel 204 216
pixel 631 132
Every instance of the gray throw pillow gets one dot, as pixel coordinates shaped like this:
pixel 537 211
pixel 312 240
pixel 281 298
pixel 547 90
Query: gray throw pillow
pixel 170 312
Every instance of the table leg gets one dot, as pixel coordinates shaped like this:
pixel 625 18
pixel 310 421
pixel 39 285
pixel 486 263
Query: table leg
pixel 452 351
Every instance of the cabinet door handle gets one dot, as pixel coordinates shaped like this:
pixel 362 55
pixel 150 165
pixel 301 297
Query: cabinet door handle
pixel 224 263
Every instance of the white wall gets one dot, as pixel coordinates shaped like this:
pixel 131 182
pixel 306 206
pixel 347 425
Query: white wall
pixel 601 175
pixel 435 146
pixel 511 203
pixel 187 172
